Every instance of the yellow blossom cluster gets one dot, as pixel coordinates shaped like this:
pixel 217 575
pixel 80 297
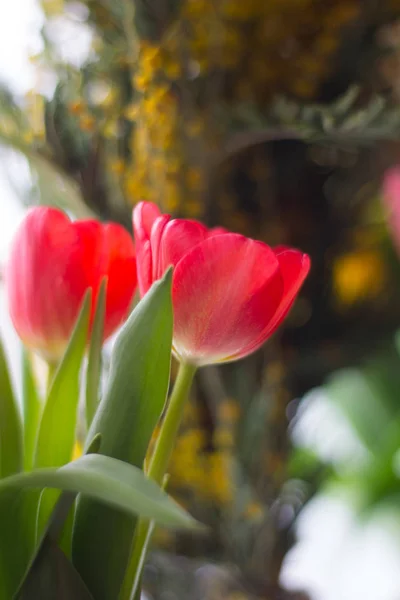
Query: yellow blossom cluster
pixel 358 276
pixel 163 134
pixel 205 58
pixel 205 474
pixel 198 470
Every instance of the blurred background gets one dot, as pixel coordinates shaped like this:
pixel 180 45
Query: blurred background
pixel 278 119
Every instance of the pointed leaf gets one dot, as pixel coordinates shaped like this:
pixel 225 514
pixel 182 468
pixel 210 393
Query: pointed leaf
pixel 53 577
pixel 109 480
pixel 31 409
pixel 11 460
pixel 17 539
pixel 18 514
pixel 60 519
pixel 57 427
pixel 56 437
pixel 126 418
pixel 52 533
pixel 93 372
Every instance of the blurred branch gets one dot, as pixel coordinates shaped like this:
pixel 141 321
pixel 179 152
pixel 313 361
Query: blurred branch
pixel 342 122
pixel 54 185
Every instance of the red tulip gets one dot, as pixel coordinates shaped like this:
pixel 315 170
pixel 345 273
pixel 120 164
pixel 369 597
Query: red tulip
pixel 52 263
pixel 391 200
pixel 230 293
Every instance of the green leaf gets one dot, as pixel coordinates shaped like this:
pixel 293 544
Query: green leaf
pixel 11 449
pixel 59 525
pixel 126 418
pixel 57 429
pixel 17 539
pixel 54 527
pixel 109 480
pixel 65 539
pixel 31 409
pixel 93 372
pixel 53 577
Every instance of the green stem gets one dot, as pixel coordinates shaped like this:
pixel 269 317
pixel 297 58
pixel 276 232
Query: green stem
pixel 157 469
pixel 169 428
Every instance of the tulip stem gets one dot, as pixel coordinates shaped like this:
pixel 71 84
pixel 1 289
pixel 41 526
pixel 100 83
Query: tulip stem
pixel 170 425
pixel 158 465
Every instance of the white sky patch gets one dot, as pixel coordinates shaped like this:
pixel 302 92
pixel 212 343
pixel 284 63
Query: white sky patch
pixel 321 427
pixel 71 38
pixel 20 23
pixel 339 556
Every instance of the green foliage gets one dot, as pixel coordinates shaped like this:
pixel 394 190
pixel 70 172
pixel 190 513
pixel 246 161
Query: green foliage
pixel 11 444
pixel 56 435
pixel 32 563
pixel 57 428
pixel 54 187
pixel 126 418
pixel 94 357
pixel 31 404
pixel 367 397
pixel 108 480
pixel 344 122
pixel 53 577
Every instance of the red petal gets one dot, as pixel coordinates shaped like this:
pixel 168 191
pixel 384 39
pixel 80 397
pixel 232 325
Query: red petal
pixel 52 263
pixel 144 216
pixel 41 298
pixel 117 254
pixel 391 201
pixel 178 237
pixel 294 267
pixel 225 292
pixel 155 241
pixel 107 250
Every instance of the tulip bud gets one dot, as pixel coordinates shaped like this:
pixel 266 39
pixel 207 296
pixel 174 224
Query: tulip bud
pixel 52 263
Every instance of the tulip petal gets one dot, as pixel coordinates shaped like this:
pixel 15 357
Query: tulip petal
pixel 155 241
pixel 225 292
pixel 178 237
pixel 119 252
pixel 294 267
pixel 52 263
pixel 144 216
pixel 41 249
pixel 106 251
pixel 391 201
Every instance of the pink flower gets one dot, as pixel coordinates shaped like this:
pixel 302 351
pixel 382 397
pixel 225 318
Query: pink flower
pixel 52 263
pixel 391 200
pixel 229 292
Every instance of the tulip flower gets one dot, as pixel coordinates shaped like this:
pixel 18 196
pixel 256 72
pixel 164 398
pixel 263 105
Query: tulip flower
pixel 391 200
pixel 229 292
pixel 52 263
